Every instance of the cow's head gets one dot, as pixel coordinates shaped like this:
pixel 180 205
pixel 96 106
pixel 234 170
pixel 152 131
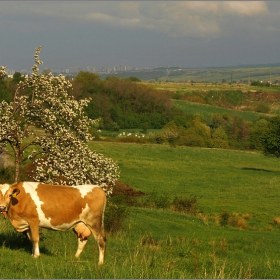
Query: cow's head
pixel 7 196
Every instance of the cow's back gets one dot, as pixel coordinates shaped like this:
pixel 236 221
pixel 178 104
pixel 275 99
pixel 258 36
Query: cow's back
pixel 59 206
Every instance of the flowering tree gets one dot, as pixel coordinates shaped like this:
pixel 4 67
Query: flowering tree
pixel 45 116
pixel 3 73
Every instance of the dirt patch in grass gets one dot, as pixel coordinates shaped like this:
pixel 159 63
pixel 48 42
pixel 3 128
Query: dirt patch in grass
pixel 126 190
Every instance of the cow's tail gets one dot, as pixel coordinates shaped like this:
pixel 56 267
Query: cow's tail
pixel 102 220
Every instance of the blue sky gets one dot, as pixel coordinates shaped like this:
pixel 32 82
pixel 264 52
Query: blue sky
pixel 139 33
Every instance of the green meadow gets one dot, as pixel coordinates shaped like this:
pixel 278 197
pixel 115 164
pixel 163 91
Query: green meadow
pixel 161 243
pixel 207 111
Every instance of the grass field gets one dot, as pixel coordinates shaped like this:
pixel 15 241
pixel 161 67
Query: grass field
pixel 159 243
pixel 243 98
pixel 207 111
pixel 216 75
pixel 188 87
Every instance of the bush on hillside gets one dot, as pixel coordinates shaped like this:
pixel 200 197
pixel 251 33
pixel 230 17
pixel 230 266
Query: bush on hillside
pixel 191 140
pixel 234 219
pixel 7 175
pixel 219 143
pixel 258 131
pixel 185 205
pixel 263 108
pixel 260 84
pixel 157 138
pixel 271 137
pixel 115 216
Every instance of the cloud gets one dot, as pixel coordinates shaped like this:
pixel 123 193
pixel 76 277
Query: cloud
pixel 182 18
pixel 247 8
pixel 177 19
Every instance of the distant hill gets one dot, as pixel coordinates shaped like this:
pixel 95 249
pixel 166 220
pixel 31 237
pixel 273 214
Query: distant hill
pixel 256 65
pixel 241 73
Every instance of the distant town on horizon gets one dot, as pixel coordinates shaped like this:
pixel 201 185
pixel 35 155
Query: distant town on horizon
pixel 125 68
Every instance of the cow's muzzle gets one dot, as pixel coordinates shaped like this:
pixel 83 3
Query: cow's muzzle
pixel 3 208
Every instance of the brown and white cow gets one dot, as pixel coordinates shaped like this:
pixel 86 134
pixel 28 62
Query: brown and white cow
pixel 30 205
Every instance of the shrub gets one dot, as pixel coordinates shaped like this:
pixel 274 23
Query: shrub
pixel 242 224
pixel 263 108
pixel 112 126
pixel 185 205
pixel 115 216
pixel 219 143
pixel 157 138
pixel 93 132
pixel 156 200
pixel 271 137
pixel 234 219
pixel 7 175
pixel 276 220
pixel 224 217
pixel 133 79
pixel 161 201
pixel 191 140
pixel 196 99
pixel 178 95
pixel 219 133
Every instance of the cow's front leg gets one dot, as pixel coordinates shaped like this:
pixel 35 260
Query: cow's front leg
pixel 33 235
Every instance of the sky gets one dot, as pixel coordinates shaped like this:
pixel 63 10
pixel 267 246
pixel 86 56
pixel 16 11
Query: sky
pixel 191 34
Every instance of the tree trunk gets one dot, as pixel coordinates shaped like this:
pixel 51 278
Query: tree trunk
pixel 18 161
pixel 17 170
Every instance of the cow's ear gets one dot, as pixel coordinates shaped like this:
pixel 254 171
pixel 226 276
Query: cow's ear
pixel 15 192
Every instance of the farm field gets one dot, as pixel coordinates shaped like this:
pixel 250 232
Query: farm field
pixel 181 86
pixel 207 111
pixel 160 243
pixel 208 75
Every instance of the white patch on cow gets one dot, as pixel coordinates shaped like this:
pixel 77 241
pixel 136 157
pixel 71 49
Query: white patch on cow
pixel 30 187
pixel 84 189
pixel 4 188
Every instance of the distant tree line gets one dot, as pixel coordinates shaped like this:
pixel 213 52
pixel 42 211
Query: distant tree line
pixel 222 131
pixel 124 103
pixel 260 84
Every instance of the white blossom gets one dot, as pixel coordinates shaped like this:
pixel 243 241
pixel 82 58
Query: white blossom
pixel 3 72
pixel 44 115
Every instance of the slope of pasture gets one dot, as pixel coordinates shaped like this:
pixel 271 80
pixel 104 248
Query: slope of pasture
pixel 164 244
pixel 236 181
pixel 207 111
pixel 155 244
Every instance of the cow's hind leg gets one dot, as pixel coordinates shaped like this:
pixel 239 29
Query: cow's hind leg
pixel 100 237
pixel 81 244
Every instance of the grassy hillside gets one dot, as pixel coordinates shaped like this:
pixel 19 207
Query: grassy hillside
pixel 230 74
pixel 221 179
pixel 207 111
pixel 159 243
pixel 239 97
